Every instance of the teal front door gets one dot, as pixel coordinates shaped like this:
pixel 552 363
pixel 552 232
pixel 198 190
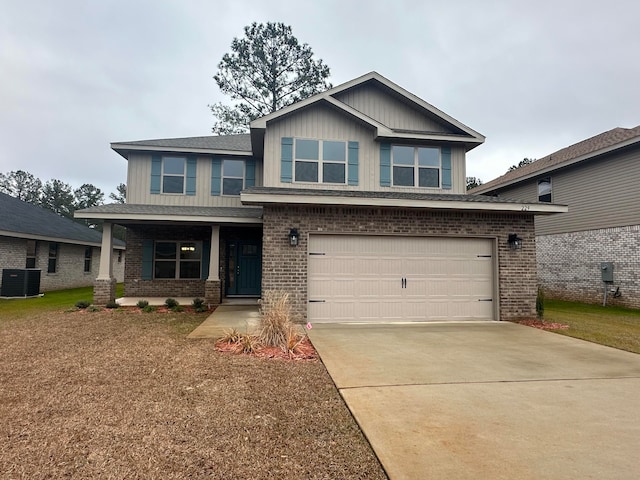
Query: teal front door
pixel 244 267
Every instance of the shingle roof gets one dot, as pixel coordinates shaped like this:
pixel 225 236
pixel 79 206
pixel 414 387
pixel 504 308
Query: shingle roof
pixel 173 210
pixel 442 197
pixel 240 142
pixel 22 218
pixel 584 148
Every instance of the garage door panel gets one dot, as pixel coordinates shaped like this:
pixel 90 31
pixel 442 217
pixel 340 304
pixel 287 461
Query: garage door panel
pixel 360 278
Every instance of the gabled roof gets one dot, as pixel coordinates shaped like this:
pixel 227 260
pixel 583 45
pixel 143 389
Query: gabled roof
pixel 224 144
pixel 463 133
pixel 24 220
pixel 585 150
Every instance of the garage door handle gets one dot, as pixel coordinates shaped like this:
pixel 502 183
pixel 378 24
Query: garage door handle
pixel 485 299
pixel 403 283
pixel 317 301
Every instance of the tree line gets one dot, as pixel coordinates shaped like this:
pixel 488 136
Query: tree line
pixel 56 195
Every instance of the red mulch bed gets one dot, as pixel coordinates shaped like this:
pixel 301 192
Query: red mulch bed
pixel 304 351
pixel 543 325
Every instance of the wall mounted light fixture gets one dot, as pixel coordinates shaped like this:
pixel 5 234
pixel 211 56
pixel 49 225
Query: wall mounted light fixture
pixel 293 237
pixel 515 242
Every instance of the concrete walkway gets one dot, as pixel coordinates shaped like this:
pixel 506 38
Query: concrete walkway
pixel 490 400
pixel 244 318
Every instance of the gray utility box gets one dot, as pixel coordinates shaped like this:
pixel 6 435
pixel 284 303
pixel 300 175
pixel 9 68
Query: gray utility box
pixel 20 282
pixel 606 269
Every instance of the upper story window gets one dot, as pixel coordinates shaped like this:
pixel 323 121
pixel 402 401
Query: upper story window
pixel 415 166
pixel 544 189
pixel 320 161
pixel 173 174
pixel 232 176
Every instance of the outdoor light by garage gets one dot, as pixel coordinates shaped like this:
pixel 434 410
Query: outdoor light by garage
pixel 515 242
pixel 293 237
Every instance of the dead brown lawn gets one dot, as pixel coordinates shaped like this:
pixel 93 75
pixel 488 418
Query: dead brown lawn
pixel 115 394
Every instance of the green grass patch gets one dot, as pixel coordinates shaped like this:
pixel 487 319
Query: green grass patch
pixel 616 327
pixel 55 300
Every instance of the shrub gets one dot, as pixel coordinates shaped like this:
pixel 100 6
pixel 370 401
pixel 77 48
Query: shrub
pixel 142 304
pixel 540 303
pixel 148 309
pixel 112 304
pixel 177 308
pixel 82 304
pixel 198 305
pixel 171 303
pixel 248 343
pixel 276 327
pixel 231 336
pixel 93 308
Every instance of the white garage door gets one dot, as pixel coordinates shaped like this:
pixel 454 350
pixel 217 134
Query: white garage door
pixel 358 278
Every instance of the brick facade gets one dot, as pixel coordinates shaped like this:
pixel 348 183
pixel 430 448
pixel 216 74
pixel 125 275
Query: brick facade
pixel 569 264
pixel 70 264
pixel 285 267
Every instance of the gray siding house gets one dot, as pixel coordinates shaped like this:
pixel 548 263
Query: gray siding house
pixel 598 179
pixel 67 253
pixel 352 200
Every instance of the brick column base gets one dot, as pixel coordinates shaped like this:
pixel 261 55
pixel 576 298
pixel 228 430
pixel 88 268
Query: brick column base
pixel 104 291
pixel 212 292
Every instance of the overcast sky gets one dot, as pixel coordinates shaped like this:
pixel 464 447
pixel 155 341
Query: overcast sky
pixel 532 76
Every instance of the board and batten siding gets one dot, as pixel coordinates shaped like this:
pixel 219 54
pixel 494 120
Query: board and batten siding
pixel 602 193
pixel 139 185
pixel 388 110
pixel 324 123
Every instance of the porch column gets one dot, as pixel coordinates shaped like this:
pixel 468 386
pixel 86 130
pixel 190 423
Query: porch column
pixel 214 257
pixel 212 287
pixel 104 288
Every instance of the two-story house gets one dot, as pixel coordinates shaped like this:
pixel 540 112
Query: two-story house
pixel 598 179
pixel 352 200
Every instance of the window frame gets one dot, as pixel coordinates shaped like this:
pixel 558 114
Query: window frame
pixel 416 166
pixel 178 261
pixel 223 176
pixel 164 175
pixel 549 194
pixel 54 253
pixel 31 259
pixel 88 256
pixel 320 161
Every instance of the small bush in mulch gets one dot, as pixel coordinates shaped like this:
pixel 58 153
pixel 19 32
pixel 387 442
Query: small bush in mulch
pixel 93 309
pixel 82 304
pixel 171 303
pixel 142 304
pixel 543 325
pixel 148 308
pixel 112 304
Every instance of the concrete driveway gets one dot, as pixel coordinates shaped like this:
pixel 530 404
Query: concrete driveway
pixel 490 400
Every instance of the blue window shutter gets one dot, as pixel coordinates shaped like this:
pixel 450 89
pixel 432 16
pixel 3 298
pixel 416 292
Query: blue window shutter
pixel 206 255
pixel 446 168
pixel 191 175
pixel 385 164
pixel 147 259
pixel 286 163
pixel 353 163
pixel 156 173
pixel 249 173
pixel 216 176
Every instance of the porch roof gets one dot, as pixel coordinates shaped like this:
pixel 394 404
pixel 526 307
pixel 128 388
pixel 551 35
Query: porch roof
pixel 135 213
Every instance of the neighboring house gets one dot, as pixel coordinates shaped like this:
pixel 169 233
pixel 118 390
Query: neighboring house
pixel 67 253
pixel 353 201
pixel 599 180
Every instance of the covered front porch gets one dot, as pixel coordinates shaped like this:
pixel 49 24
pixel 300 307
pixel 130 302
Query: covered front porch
pixel 181 255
